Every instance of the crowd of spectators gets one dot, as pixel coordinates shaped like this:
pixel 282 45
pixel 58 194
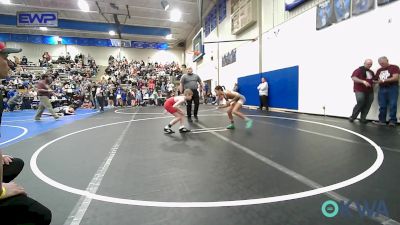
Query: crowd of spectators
pixel 71 79
pixel 123 84
pixel 138 83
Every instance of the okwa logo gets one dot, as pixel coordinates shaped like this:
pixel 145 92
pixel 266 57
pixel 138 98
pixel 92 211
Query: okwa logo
pixel 351 209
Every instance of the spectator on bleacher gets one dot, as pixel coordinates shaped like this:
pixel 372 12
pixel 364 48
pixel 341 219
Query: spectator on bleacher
pixel 68 57
pixel 24 61
pixel 87 100
pixel 11 92
pixel 130 97
pixel 170 88
pixel 26 99
pixel 16 60
pixel 46 57
pixel 15 101
pixel 12 65
pixel 110 59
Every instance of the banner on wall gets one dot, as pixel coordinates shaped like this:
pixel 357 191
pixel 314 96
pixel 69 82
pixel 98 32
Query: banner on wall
pixel 292 4
pixel 325 16
pixel 115 42
pixel 384 2
pixel 362 6
pixel 342 9
pixel 53 40
pixel 37 19
pixel 229 58
pixel 221 10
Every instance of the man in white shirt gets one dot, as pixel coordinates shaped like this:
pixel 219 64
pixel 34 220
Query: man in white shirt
pixel 263 92
pixel 170 88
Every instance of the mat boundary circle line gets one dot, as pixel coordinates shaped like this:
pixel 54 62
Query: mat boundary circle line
pixel 372 169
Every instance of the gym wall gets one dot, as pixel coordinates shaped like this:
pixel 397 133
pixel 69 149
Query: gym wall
pixel 326 58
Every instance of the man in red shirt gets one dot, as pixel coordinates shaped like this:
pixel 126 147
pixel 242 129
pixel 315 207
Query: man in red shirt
pixel 362 78
pixel 388 79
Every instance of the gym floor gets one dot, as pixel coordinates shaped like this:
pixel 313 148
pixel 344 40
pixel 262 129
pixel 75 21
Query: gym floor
pixel 118 167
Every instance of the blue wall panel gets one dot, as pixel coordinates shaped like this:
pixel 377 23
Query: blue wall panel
pixel 283 88
pixel 19 37
pixel 5 37
pixel 69 41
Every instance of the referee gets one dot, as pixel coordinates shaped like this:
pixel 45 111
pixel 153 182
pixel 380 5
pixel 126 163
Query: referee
pixel 191 81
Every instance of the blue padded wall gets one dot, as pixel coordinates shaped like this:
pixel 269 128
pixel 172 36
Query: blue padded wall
pixel 283 88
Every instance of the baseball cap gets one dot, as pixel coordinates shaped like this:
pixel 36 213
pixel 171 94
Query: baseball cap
pixel 6 51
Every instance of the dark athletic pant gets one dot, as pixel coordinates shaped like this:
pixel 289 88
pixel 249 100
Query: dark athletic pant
pixel 21 209
pixel 101 99
pixel 11 171
pixel 364 101
pixel 196 100
pixel 263 101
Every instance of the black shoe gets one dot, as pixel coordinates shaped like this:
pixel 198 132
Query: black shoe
pixel 196 118
pixel 392 124
pixel 183 130
pixel 190 120
pixel 351 120
pixel 364 121
pixel 168 131
pixel 380 123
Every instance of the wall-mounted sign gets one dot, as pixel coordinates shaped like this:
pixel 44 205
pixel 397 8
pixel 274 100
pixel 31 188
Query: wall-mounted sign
pixel 229 58
pixel 37 19
pixel 291 4
pixel 325 16
pixel 384 2
pixel 362 6
pixel 342 9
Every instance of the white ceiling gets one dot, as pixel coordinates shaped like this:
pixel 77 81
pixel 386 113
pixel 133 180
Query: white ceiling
pixel 148 13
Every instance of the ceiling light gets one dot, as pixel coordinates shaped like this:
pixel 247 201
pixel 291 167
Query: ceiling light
pixel 43 28
pixel 165 4
pixel 176 15
pixel 168 37
pixel 5 2
pixel 83 5
pixel 111 32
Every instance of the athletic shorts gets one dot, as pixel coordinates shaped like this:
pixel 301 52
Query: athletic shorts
pixel 242 100
pixel 169 105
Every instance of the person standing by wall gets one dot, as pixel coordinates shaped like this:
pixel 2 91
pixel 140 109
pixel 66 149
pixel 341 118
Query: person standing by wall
pixel 263 92
pixel 192 81
pixel 44 93
pixel 363 89
pixel 15 206
pixel 388 79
